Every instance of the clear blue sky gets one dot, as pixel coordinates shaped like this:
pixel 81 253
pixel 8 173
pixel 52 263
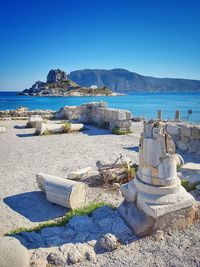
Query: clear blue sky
pixel 154 37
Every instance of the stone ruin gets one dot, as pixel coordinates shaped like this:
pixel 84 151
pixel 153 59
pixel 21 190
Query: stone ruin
pixel 98 114
pixel 186 136
pixel 23 113
pixel 155 199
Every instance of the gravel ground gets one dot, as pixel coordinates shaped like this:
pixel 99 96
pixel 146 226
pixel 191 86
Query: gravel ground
pixel 22 155
pixel 174 249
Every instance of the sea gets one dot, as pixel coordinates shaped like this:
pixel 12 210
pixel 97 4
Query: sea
pixel 140 104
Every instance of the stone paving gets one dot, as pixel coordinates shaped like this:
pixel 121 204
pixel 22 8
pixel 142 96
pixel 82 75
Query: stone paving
pixel 82 238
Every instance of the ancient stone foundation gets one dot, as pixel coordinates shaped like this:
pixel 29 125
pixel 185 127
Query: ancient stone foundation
pixel 22 113
pixel 97 114
pixel 156 194
pixel 186 136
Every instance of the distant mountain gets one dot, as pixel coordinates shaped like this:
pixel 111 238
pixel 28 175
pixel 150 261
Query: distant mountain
pixel 121 80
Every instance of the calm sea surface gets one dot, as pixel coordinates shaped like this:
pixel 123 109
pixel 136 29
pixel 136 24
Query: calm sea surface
pixel 140 104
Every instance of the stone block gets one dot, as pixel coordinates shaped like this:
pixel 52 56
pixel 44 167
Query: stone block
pixel 178 219
pixel 184 140
pixel 126 124
pixel 194 145
pixel 33 121
pixel 196 132
pixel 186 131
pixel 140 223
pixel 129 191
pixel 157 190
pixel 173 129
pixel 191 168
pixel 182 146
pixel 181 200
pixel 121 116
pixel 129 115
pixel 80 174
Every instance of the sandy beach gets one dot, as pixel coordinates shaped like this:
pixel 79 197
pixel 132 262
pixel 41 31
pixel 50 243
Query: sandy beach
pixel 22 155
pixel 23 205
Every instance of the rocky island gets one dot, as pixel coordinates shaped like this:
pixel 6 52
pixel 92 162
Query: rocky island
pixel 58 84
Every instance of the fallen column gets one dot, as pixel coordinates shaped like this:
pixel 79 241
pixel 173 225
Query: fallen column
pixel 53 128
pixel 64 192
pixel 33 120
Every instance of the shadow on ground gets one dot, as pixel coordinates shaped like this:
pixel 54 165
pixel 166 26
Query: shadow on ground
pixel 134 148
pixel 195 158
pixel 34 206
pixel 91 130
pixel 26 135
pixel 80 230
pixel 19 127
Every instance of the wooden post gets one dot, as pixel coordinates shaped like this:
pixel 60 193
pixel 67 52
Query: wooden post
pixel 159 115
pixel 177 115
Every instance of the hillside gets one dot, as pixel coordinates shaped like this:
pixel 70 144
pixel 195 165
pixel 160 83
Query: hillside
pixel 121 80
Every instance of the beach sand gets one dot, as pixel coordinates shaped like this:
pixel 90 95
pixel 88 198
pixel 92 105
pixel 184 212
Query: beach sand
pixel 22 155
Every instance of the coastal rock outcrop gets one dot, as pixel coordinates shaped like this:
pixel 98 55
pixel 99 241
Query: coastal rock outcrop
pixel 55 76
pixel 58 84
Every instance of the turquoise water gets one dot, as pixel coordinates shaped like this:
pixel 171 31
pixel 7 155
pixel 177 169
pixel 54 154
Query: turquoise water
pixel 140 104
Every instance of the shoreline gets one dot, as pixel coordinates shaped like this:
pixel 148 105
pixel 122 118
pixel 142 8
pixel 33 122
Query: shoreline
pixel 72 95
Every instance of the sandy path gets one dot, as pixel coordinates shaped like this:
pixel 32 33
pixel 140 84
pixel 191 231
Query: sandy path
pixel 22 155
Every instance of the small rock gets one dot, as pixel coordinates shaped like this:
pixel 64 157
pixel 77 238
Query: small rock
pixel 158 235
pixel 55 259
pixel 38 258
pixel 92 243
pixel 74 255
pixel 86 251
pixel 89 253
pixel 80 174
pixel 109 242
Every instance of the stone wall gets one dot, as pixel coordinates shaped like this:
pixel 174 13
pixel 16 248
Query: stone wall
pixel 185 135
pixel 25 113
pixel 97 113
